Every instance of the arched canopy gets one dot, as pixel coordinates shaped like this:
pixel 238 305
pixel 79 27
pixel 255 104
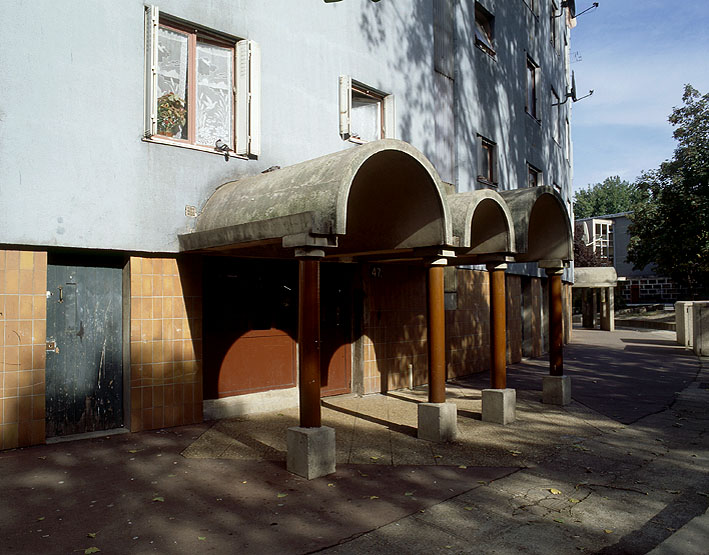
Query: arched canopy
pixel 542 225
pixel 380 196
pixel 483 222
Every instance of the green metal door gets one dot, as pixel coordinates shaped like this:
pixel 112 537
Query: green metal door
pixel 84 369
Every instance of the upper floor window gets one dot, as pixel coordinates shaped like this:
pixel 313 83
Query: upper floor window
pixel 603 239
pixel 366 114
pixel 534 176
pixel 487 163
pixel 202 87
pixel 530 105
pixel 554 27
pixel 484 29
pixel 555 113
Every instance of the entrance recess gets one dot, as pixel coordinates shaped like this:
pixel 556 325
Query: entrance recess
pixel 84 368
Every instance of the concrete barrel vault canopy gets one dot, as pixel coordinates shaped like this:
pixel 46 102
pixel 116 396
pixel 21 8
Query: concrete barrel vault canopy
pixel 483 222
pixel 541 223
pixel 382 195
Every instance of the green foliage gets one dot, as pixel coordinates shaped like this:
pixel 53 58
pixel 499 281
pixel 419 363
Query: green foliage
pixel 612 196
pixel 670 226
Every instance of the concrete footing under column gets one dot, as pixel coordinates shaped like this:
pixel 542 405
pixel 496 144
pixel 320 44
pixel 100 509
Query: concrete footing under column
pixel 437 421
pixel 499 405
pixel 556 390
pixel 311 451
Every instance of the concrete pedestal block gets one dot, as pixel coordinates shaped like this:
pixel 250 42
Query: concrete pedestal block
pixel 556 390
pixel 684 323
pixel 311 451
pixel 438 421
pixel 700 328
pixel 499 405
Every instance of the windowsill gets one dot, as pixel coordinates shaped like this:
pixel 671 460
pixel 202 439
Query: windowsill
pixel 538 121
pixel 165 141
pixel 489 51
pixel 486 182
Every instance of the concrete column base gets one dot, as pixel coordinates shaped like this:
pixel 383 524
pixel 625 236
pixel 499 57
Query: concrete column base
pixel 311 451
pixel 499 405
pixel 556 390
pixel 438 421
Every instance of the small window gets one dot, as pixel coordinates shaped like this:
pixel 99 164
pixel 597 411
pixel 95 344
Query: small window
pixel 202 87
pixel 567 138
pixel 534 176
pixel 484 29
pixel 555 119
pixel 365 113
pixel 531 100
pixel 554 27
pixel 487 172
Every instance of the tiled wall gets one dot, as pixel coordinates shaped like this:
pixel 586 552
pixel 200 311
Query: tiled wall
pixel 166 342
pixel 468 327
pixel 23 305
pixel 394 327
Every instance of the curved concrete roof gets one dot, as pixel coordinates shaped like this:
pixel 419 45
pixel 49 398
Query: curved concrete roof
pixel 542 224
pixel 483 222
pixel 386 191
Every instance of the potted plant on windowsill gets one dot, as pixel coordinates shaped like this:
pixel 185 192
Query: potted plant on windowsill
pixel 172 115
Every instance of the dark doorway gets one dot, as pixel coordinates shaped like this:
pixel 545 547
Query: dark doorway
pixel 251 326
pixel 84 368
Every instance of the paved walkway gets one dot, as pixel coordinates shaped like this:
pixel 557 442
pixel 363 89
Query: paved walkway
pixel 620 470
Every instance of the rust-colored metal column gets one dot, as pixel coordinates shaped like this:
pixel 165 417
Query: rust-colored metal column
pixel 498 330
pixel 556 332
pixel 309 341
pixel 436 335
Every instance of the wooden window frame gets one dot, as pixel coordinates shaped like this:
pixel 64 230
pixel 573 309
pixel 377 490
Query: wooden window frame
pixel 195 36
pixel 486 21
pixel 487 150
pixel 534 174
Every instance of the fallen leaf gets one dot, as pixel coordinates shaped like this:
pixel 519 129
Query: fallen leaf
pixel 282 495
pixel 374 458
pixel 482 482
pixel 515 453
pixel 362 474
pixel 42 457
pixel 572 500
pixel 559 520
pixel 374 497
pixel 554 491
pixel 462 466
pixel 132 450
pixel 607 531
pixel 158 498
pixel 171 475
pixel 331 485
pixel 91 535
pixel 201 538
pixel 408 493
pixel 90 550
pixel 437 456
pixel 468 508
pixel 40 518
pixel 243 482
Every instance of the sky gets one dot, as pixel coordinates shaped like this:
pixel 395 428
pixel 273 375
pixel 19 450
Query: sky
pixel 636 55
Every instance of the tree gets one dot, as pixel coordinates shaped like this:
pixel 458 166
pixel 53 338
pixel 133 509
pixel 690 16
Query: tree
pixel 670 227
pixel 612 196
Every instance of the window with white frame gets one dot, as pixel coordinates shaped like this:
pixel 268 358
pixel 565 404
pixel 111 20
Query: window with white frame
pixel 603 239
pixel 366 114
pixel 487 161
pixel 202 87
pixel 534 176
pixel 531 101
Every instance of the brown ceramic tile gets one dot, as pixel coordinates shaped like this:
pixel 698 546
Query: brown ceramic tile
pixel 156 281
pixel 2 259
pixel 9 436
pixel 147 397
pixel 147 418
pixel 135 400
pixel 38 431
pixel 135 264
pixel 12 307
pixel 25 330
pixel 158 396
pixel 11 408
pixel 38 407
pixel 158 419
pixel 26 307
pixel 24 409
pixel 136 421
pixel 147 266
pixel 12 260
pixel 25 282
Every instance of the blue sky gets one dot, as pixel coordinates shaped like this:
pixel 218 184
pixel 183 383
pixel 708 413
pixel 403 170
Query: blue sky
pixel 637 55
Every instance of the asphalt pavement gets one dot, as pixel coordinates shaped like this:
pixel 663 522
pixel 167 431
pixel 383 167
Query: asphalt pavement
pixel 622 469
